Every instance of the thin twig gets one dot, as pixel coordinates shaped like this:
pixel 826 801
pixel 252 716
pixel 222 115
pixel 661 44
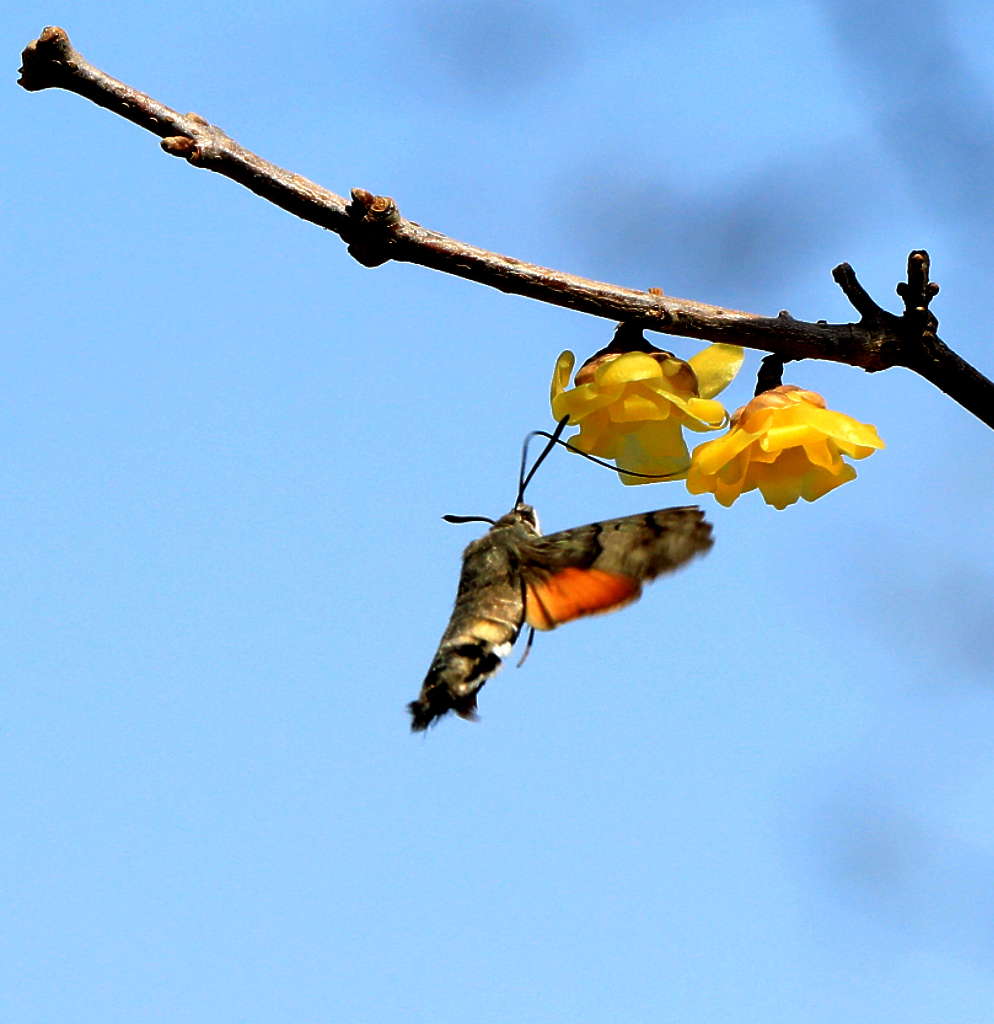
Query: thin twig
pixel 770 374
pixel 375 232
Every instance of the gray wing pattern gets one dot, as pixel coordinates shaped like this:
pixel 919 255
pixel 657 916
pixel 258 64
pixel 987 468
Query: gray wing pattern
pixel 641 546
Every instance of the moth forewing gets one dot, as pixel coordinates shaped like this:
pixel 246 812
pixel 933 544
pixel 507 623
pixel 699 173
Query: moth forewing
pixel 601 567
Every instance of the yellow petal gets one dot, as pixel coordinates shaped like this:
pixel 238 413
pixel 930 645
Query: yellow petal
pixel 657 449
pixel 628 367
pixel 708 413
pixel 728 491
pixel 698 414
pixel 561 374
pixel 778 485
pixel 825 455
pixel 727 482
pixel 660 440
pixel 638 403
pixel 793 477
pixel 583 401
pixel 716 367
pixel 779 492
pixel 819 482
pixel 678 376
pixel 839 426
pixel 779 438
pixel 855 451
pixel 598 436
pixel 712 455
pixel 697 482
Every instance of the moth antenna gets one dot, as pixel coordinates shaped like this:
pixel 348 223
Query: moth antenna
pixel 470 519
pixel 523 479
pixel 528 647
pixel 554 440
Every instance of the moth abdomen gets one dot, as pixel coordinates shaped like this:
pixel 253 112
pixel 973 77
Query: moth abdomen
pixel 460 668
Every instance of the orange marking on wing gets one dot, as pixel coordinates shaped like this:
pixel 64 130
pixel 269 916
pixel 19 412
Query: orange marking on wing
pixel 571 593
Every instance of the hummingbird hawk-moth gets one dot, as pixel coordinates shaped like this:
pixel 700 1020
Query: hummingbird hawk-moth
pixel 513 575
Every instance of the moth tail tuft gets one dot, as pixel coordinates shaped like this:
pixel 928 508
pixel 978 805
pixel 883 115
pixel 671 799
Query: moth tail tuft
pixel 422 715
pixel 435 702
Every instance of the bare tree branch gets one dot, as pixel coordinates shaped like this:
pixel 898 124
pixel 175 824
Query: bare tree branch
pixel 376 232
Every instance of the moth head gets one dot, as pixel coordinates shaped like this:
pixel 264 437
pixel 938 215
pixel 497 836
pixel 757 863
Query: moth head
pixel 521 515
pixel 526 514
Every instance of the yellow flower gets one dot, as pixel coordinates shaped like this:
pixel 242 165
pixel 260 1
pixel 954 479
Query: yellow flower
pixel 632 406
pixel 786 443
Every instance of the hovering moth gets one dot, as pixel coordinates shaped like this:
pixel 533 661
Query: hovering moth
pixel 513 576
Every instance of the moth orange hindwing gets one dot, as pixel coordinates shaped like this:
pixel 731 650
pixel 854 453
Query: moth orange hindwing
pixel 513 576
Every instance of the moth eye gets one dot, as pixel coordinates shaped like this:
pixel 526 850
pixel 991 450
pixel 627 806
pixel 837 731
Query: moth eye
pixel 528 515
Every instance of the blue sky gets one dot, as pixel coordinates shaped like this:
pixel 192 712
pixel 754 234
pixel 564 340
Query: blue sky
pixel 764 793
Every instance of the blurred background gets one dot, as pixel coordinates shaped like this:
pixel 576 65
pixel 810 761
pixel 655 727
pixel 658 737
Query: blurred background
pixel 763 794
